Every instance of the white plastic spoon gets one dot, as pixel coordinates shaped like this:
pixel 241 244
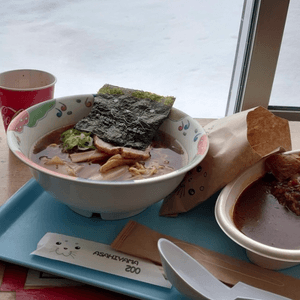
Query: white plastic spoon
pixel 191 279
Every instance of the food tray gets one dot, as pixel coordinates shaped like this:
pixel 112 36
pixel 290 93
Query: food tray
pixel 31 212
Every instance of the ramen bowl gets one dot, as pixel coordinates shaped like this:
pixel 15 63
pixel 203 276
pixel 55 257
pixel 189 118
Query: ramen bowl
pixel 266 256
pixel 111 199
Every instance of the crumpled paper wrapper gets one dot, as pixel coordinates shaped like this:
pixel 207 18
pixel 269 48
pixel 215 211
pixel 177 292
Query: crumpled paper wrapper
pixel 236 142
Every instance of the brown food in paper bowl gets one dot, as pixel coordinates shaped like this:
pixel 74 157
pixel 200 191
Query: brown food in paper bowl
pixel 236 143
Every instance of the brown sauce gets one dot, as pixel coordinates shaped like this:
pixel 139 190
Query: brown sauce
pixel 165 150
pixel 260 216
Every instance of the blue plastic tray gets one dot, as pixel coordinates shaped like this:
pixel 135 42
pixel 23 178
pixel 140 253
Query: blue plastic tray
pixel 32 212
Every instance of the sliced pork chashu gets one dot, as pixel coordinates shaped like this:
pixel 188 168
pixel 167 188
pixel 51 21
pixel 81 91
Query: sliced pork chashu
pixel 125 152
pixel 92 156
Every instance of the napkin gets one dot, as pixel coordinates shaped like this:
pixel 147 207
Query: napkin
pixel 235 143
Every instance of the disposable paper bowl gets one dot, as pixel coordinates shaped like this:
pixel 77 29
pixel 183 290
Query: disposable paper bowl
pixel 111 199
pixel 20 89
pixel 263 255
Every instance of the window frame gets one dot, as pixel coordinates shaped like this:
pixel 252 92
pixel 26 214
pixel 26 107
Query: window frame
pixel 258 48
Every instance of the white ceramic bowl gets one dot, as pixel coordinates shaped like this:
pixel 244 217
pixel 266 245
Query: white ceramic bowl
pixel 111 199
pixel 263 255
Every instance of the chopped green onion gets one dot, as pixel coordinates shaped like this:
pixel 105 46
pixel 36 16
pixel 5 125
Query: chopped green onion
pixel 73 137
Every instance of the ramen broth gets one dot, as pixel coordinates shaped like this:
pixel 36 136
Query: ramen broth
pixel 166 153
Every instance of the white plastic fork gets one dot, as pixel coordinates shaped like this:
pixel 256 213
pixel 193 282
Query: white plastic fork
pixel 194 281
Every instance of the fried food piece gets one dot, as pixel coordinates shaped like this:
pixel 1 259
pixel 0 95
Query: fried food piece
pixel 287 193
pixel 283 166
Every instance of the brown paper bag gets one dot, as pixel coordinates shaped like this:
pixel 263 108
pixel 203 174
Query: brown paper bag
pixel 140 241
pixel 235 143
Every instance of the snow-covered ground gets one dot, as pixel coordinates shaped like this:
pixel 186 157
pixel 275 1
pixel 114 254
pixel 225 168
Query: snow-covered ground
pixel 183 48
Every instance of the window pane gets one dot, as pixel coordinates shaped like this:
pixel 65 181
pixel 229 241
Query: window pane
pixel 184 48
pixel 286 88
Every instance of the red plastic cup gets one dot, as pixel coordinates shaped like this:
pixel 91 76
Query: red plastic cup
pixel 20 89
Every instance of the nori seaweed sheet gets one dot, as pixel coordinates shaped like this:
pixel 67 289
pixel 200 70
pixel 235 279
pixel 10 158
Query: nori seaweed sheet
pixel 124 120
